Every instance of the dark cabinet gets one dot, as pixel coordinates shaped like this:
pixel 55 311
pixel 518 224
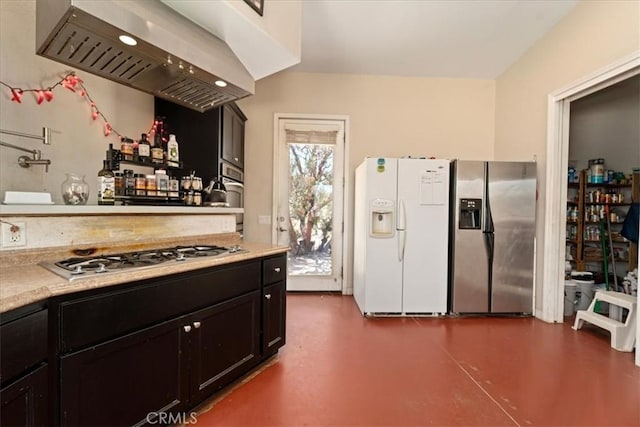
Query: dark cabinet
pixel 225 343
pixel 25 402
pixel 115 356
pixel 24 395
pixel 127 380
pixel 208 139
pixel 232 148
pixel 274 303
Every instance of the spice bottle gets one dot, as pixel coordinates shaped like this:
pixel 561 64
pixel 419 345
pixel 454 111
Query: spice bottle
pixel 129 183
pixel 106 185
pixel 144 149
pixel 118 184
pixel 126 148
pixel 162 182
pixel 152 185
pixel 140 184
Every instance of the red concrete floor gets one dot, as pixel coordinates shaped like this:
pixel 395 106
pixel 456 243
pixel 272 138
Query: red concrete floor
pixel 340 369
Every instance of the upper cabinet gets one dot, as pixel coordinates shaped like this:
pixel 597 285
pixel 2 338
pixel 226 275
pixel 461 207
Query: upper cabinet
pixel 207 141
pixel 233 135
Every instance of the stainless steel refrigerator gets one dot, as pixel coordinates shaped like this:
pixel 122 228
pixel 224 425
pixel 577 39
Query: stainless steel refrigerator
pixel 492 236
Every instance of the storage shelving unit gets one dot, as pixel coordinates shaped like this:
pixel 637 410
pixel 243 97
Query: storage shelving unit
pixel 585 213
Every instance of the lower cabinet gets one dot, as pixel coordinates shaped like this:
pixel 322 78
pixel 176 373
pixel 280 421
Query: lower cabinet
pixel 274 321
pixel 225 343
pixel 127 380
pixel 24 371
pixel 26 401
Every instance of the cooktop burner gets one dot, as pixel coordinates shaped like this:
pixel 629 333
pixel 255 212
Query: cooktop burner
pixel 76 267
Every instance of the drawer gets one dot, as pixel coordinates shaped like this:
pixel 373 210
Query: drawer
pixel 98 317
pixel 274 269
pixel 24 344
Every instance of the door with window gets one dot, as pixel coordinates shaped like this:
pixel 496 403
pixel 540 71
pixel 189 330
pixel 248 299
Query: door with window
pixel 309 165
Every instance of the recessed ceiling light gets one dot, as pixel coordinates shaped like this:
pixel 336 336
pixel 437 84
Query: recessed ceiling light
pixel 128 40
pixel 221 83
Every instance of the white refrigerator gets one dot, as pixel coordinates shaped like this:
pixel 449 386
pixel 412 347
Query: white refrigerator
pixel 401 237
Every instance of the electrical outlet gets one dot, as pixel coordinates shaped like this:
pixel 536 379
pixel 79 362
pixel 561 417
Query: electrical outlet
pixel 14 234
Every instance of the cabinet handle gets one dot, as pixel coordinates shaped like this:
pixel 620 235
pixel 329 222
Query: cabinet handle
pixel 267 296
pixel 277 269
pixel 187 328
pixel 196 325
pixel 235 158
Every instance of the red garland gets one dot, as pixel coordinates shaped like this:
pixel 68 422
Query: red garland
pixel 71 82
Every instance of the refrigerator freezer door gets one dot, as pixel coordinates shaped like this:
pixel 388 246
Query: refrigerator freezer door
pixel 469 273
pixel 512 198
pixel 377 275
pixel 423 186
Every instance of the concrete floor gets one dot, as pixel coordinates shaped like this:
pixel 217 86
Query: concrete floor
pixel 340 369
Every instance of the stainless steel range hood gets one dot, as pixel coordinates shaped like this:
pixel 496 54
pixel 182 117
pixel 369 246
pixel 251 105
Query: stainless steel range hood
pixel 174 58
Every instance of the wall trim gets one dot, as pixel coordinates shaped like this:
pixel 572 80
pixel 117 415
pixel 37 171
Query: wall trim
pixel 556 177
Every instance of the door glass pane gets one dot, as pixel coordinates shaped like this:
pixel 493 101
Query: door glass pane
pixel 310 208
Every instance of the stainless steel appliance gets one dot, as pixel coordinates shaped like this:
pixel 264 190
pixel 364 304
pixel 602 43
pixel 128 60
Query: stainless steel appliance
pixel 169 56
pixel 492 236
pixel 88 266
pixel 233 178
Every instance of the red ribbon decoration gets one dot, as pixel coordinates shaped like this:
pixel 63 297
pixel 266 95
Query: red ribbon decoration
pixel 16 95
pixel 107 129
pixel 94 115
pixel 48 95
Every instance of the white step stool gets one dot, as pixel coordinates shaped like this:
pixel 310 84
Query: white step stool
pixel 623 335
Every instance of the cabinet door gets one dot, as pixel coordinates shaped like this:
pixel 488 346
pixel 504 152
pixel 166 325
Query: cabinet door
pixel 274 306
pixel 25 402
pixel 226 343
pixel 127 380
pixel 232 137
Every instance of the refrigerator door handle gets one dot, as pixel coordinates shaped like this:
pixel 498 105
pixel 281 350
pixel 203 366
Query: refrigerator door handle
pixel 401 244
pixel 401 229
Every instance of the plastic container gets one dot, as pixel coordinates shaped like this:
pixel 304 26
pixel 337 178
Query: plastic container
pixel 569 297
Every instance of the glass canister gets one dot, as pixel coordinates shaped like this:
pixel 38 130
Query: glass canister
pixel 75 190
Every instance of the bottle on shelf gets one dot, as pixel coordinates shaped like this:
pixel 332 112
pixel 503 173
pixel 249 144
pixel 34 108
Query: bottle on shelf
pixel 106 185
pixel 173 156
pixel 144 149
pixel 157 153
pixel 126 148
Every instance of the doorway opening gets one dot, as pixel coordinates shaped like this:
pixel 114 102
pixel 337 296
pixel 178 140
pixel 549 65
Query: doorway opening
pixel 552 307
pixel 309 206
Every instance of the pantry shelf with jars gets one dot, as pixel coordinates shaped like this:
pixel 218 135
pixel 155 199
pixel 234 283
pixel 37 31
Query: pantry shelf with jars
pixel 595 209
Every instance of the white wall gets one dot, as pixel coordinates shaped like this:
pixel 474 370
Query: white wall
pixel 606 124
pixel 78 143
pixel 594 34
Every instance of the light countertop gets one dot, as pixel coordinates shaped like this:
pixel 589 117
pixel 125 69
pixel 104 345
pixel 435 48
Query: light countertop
pixel 23 284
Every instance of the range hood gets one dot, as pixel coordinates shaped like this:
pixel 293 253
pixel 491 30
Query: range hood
pixel 174 59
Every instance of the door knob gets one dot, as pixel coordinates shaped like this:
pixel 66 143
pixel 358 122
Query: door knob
pixel 187 328
pixel 277 269
pixel 267 296
pixel 196 325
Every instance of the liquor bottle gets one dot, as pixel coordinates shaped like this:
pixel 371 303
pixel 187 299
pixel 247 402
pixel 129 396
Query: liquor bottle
pixel 144 149
pixel 157 153
pixel 106 185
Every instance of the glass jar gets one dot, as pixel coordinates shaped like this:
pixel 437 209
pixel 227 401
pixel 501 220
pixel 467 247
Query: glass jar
pixel 129 183
pixel 119 184
pixel 141 184
pixel 151 185
pixel 75 190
